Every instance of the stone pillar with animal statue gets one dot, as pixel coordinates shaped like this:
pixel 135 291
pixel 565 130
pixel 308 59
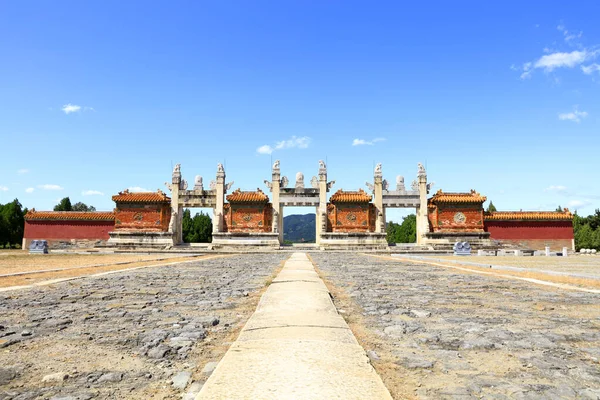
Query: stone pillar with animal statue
pixel 422 219
pixel 275 186
pixel 321 215
pixel 378 201
pixel 220 199
pixel 175 224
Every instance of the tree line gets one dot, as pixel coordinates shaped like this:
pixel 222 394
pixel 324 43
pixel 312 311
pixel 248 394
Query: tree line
pixel 587 231
pixel 197 229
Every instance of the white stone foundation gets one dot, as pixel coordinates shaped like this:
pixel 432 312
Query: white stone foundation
pixel 353 241
pixel 251 239
pixel 140 239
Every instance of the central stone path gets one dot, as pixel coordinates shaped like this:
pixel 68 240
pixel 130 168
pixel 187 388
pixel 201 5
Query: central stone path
pixel 295 346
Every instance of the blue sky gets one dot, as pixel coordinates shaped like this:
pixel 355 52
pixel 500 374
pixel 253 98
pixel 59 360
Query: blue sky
pixel 96 97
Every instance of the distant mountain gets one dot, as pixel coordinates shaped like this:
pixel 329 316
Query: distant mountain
pixel 299 228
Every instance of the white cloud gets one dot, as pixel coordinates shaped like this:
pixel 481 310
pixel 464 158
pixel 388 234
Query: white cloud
pixel 70 108
pixel 266 149
pixel 555 59
pixel 22 171
pixel 569 36
pixel 555 188
pixel 589 69
pixel 92 193
pixel 577 204
pixel 550 62
pixel 361 142
pixel 293 142
pixel 137 189
pixel 89 109
pixel 575 115
pixel 3 189
pixel 29 190
pixel 50 187
pixel 299 142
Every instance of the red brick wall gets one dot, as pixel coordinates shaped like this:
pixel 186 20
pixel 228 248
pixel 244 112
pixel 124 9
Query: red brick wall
pixel 532 234
pixel 67 230
pixel 442 218
pixel 151 217
pixel 350 217
pixel 517 230
pixel 248 217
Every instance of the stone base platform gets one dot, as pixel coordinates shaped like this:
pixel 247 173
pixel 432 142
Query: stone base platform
pixel 446 240
pixel 133 239
pixel 245 240
pixel 353 241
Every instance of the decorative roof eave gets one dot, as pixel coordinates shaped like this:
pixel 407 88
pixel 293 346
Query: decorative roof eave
pixel 33 215
pixel 350 197
pixel 141 197
pixel 566 215
pixel 239 196
pixel 471 197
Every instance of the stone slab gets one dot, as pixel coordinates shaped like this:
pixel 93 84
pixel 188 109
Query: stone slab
pixel 295 346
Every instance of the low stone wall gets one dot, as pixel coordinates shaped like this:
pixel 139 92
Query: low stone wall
pixel 537 244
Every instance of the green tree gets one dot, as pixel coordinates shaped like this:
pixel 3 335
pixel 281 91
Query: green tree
pixel 392 235
pixel 79 206
pixel 197 229
pixel 64 205
pixel 491 207
pixel 202 228
pixel 559 208
pixel 406 232
pixel 12 223
pixel 584 237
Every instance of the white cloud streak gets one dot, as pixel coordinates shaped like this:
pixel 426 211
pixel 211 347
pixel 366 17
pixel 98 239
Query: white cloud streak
pixel 577 204
pixel 29 190
pixel 70 108
pixel 92 193
pixel 22 171
pixel 137 189
pixel 575 115
pixel 555 59
pixel 362 142
pixel 265 149
pixel 293 142
pixel 50 187
pixel 3 189
pixel 590 69
pixel 556 188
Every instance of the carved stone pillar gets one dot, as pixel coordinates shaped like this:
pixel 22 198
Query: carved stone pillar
pixel 177 224
pixel 378 201
pixel 220 199
pixel 322 209
pixel 277 209
pixel 422 219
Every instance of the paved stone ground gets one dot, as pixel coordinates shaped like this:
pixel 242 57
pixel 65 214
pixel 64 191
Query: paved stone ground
pixel 440 333
pixel 143 334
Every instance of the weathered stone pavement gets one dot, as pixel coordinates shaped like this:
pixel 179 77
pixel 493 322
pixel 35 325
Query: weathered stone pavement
pixel 140 334
pixel 437 333
pixel 295 346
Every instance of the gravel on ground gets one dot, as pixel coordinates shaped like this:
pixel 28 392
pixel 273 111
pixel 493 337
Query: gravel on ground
pixel 140 334
pixel 440 333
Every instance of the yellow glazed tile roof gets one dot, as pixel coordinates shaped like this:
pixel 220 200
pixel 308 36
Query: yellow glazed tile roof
pixel 529 215
pixel 247 197
pixel 34 215
pixel 471 197
pixel 141 197
pixel 350 197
